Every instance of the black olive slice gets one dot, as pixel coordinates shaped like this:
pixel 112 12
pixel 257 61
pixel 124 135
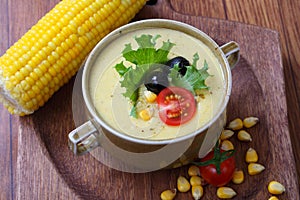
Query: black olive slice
pixel 157 79
pixel 182 63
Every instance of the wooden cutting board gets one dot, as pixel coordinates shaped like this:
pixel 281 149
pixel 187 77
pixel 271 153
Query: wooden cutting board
pixel 46 169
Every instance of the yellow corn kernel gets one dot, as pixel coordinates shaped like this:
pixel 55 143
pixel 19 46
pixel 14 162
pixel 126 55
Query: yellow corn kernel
pixel 255 168
pixel 227 145
pixel 145 114
pixel 244 136
pixel 225 193
pixel 235 124
pixel 150 96
pixel 57 51
pixel 197 192
pixel 195 180
pixel 238 177
pixel 275 187
pixel 251 156
pixel 168 194
pixel 226 134
pixel 249 122
pixel 273 198
pixel 193 170
pixel 183 184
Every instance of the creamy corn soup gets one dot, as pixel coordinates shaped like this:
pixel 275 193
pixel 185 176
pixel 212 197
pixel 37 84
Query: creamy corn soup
pixel 107 94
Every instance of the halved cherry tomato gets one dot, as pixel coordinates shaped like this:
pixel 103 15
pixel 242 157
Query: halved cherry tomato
pixel 217 167
pixel 176 105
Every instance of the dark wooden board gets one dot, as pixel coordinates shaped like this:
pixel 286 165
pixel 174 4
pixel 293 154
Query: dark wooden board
pixel 46 169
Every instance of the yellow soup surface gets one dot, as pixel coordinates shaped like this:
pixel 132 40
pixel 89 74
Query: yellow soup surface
pixel 107 94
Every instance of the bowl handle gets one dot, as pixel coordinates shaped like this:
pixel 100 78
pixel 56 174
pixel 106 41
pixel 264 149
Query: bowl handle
pixel 231 51
pixel 84 138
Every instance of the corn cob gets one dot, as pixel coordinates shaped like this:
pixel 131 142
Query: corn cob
pixel 51 52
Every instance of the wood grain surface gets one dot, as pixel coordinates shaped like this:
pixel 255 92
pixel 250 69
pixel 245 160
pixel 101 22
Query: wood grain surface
pixel 36 163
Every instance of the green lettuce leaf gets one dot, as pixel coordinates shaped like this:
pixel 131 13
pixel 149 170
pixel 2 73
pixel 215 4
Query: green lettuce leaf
pixel 132 80
pixel 142 58
pixel 194 79
pixel 121 68
pixel 146 52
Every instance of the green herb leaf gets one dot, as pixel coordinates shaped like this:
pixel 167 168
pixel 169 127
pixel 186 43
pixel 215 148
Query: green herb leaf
pixel 121 69
pixel 133 112
pixel 146 52
pixel 143 58
pixel 178 80
pixel 132 80
pixel 194 79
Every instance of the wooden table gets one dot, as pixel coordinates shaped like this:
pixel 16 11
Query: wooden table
pixel 17 16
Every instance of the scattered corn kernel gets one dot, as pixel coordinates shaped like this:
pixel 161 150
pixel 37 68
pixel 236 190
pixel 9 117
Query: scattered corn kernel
pixel 183 184
pixel 227 145
pixel 197 192
pixel 251 156
pixel 248 122
pixel 255 168
pixel 273 198
pixel 226 134
pixel 235 124
pixel 225 193
pixel 195 180
pixel 244 136
pixel 150 96
pixel 275 187
pixel 193 170
pixel 145 114
pixel 238 177
pixel 168 194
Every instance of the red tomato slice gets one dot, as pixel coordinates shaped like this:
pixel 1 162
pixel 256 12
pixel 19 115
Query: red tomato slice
pixel 176 105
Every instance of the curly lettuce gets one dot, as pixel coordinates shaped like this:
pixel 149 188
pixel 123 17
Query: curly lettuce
pixel 193 79
pixel 142 59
